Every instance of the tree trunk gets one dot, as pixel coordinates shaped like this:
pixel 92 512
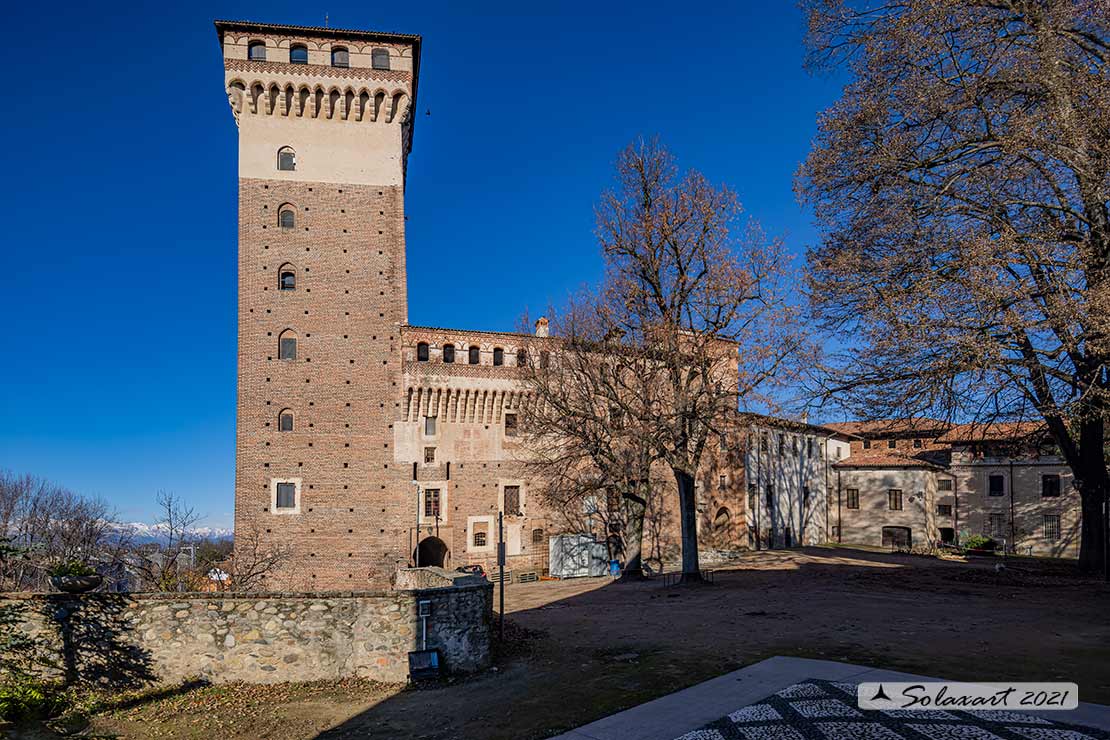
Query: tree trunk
pixel 634 507
pixel 688 511
pixel 1092 495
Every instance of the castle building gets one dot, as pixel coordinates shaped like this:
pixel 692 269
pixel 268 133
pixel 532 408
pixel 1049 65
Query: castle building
pixel 364 444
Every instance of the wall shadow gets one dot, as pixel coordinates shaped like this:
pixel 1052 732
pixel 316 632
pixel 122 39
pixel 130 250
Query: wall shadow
pixel 93 642
pixel 588 648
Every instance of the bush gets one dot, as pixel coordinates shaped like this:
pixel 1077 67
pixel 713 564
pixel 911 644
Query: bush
pixel 25 698
pixel 980 542
pixel 71 568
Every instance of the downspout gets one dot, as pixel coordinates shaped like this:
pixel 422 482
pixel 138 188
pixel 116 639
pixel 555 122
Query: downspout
pixel 839 521
pixel 1013 538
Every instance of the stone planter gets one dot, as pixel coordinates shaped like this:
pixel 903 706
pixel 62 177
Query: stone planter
pixel 76 584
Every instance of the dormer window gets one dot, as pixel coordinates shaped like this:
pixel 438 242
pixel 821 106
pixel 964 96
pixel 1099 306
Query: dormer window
pixel 256 51
pixel 298 54
pixel 340 57
pixel 379 59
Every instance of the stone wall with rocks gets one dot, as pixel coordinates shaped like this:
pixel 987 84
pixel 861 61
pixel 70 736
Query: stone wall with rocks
pixel 128 639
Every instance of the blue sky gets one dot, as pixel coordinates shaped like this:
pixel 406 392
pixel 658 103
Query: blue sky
pixel 121 196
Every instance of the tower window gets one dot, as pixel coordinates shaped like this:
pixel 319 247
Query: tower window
pixel 429 426
pixel 448 353
pixel 340 57
pixel 286 496
pixel 256 51
pixel 498 356
pixel 287 159
pixel 287 278
pixel 431 503
pixel 287 346
pixel 521 357
pixel 474 355
pixel 285 421
pixel 298 54
pixel 287 219
pixel 510 425
pixel 479 539
pixel 537 536
pixel 379 59
pixel 422 352
pixel 429 455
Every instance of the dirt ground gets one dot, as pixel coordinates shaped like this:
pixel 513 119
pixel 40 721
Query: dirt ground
pixel 579 650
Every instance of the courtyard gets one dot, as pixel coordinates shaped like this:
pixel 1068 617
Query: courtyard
pixel 579 650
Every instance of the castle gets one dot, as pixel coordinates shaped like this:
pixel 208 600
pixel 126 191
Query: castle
pixel 365 444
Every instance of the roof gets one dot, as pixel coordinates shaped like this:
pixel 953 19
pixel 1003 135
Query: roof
pixel 933 459
pixel 776 421
pixel 886 427
pixel 406 327
pixel 998 431
pixel 346 33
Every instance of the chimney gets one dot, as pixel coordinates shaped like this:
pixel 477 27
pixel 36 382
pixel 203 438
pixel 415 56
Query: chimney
pixel 541 326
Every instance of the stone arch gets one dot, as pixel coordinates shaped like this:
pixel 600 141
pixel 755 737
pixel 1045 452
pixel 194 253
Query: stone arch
pixel 432 551
pixel 334 96
pixel 398 106
pixel 236 94
pixel 363 104
pixel 380 98
pixel 258 91
pixel 348 103
pixel 303 95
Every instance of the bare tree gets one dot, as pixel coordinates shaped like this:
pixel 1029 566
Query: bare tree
pixel 687 293
pixel 44 524
pixel 962 185
pixel 253 561
pixel 586 449
pixel 170 566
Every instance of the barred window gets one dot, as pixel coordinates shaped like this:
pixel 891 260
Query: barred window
pixel 996 524
pixel 944 484
pixel 537 536
pixel 479 539
pixel 1051 524
pixel 512 500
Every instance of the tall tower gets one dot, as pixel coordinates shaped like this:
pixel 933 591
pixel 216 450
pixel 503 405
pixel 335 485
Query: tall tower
pixel 325 128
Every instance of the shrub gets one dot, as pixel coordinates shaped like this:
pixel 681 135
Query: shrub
pixel 23 698
pixel 980 542
pixel 71 568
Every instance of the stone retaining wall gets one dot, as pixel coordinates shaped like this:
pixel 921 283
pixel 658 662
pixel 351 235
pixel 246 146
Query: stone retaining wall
pixel 125 639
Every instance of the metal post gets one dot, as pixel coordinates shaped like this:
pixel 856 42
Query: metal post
pixel 501 564
pixel 416 538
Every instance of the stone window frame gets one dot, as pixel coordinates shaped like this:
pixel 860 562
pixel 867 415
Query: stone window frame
pixel 491 540
pixel 444 502
pixel 296 497
pixel 429 452
pixel 501 484
pixel 1059 526
pixel 895 496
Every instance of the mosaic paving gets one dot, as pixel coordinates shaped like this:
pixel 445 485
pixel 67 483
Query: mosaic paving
pixel 826 710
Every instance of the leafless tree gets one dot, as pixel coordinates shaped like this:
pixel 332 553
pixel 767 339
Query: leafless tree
pixel 586 449
pixel 253 561
pixel 962 185
pixel 44 524
pixel 171 565
pixel 686 292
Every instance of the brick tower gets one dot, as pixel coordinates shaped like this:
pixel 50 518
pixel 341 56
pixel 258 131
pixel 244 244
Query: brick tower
pixel 325 127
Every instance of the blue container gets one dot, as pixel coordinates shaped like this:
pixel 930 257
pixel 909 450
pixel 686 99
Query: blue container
pixel 614 568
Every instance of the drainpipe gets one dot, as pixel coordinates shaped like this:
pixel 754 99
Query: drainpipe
pixel 839 521
pixel 1013 537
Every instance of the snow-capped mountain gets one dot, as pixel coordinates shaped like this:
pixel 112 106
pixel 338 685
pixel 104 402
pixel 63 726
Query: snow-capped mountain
pixel 141 532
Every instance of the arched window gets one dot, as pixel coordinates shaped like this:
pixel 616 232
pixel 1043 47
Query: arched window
pixel 448 353
pixel 422 352
pixel 498 356
pixel 287 159
pixel 287 277
pixel 537 536
pixel 521 357
pixel 723 520
pixel 474 354
pixel 285 420
pixel 287 218
pixel 298 54
pixel 287 345
pixel 379 59
pixel 256 51
pixel 340 57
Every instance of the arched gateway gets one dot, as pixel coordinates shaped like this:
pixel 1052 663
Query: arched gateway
pixel 431 551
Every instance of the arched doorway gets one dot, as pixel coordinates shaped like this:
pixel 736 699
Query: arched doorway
pixel 431 551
